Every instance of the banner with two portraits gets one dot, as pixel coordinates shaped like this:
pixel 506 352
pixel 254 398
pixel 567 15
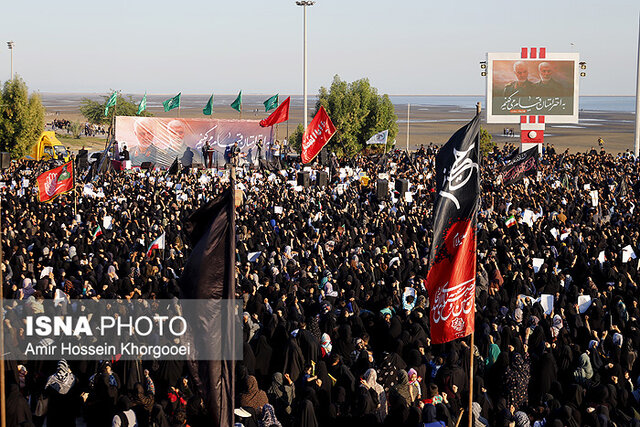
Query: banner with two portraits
pixel 526 87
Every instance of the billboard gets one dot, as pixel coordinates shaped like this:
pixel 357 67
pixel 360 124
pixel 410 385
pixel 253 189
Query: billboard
pixel 532 87
pixel 160 140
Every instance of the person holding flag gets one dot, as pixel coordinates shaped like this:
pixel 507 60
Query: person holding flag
pixel 158 243
pixel 55 182
pixel 317 135
pixel 451 279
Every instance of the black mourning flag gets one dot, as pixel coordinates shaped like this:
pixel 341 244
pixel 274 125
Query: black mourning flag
pixel 173 170
pixel 210 274
pixel 521 165
pixel 452 259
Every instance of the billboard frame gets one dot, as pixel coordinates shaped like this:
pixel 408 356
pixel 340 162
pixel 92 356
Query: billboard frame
pixel 549 118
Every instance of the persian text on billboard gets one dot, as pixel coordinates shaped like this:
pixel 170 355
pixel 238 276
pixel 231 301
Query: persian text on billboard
pixel 160 140
pixel 533 87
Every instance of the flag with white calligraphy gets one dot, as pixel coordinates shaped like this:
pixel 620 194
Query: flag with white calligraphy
pixel 520 165
pixel 451 280
pixel 316 136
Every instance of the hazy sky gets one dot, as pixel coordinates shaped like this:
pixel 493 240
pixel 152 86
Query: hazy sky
pixel 403 46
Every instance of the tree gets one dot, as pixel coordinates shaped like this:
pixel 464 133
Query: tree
pixel 93 111
pixel 295 139
pixel 76 129
pixel 358 113
pixel 487 143
pixel 21 118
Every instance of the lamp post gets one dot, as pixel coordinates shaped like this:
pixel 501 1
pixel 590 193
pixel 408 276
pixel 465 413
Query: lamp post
pixel 10 46
pixel 304 4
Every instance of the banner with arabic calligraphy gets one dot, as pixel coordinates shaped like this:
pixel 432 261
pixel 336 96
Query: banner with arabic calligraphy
pixel 532 87
pixel 160 140
pixel 451 280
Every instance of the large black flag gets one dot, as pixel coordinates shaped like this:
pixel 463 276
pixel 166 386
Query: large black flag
pixel 175 168
pixel 521 165
pixel 452 261
pixel 210 274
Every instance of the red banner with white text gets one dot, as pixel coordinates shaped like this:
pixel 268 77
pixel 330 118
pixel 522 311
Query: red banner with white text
pixel 318 133
pixel 451 281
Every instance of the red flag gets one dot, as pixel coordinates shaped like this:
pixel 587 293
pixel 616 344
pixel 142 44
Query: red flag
pixel 318 133
pixel 55 182
pixel 451 281
pixel 281 114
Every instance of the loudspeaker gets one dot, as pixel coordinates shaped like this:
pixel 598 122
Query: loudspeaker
pixel 147 165
pixel 5 160
pixel 303 179
pixel 382 189
pixel 322 179
pixel 82 159
pixel 83 163
pixel 402 186
pixel 324 157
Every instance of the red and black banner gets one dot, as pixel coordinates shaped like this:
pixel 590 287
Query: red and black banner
pixel 451 280
pixel 520 165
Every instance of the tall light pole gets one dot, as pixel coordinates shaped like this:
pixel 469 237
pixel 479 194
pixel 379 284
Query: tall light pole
pixel 10 46
pixel 636 137
pixel 304 5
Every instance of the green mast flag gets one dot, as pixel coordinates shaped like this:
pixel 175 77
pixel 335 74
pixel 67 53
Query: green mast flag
pixel 208 109
pixel 172 103
pixel 271 103
pixel 111 103
pixel 143 104
pixel 237 104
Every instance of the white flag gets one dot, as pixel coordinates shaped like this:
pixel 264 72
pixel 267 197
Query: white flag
pixel 379 138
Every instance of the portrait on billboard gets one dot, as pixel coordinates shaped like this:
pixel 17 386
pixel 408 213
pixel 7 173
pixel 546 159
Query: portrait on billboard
pixel 161 140
pixel 525 87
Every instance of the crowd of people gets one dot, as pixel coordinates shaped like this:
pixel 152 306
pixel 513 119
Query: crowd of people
pixel 88 129
pixel 336 312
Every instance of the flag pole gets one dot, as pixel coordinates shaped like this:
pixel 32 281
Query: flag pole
pixel 408 114
pixel 471 346
pixel 75 190
pixel 471 379
pixel 3 398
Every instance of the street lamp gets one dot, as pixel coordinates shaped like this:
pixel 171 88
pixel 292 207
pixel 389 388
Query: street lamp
pixel 304 4
pixel 10 46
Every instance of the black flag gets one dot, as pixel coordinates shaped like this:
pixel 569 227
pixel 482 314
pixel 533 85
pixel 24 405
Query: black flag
pixel 521 165
pixel 173 170
pixel 452 260
pixel 210 274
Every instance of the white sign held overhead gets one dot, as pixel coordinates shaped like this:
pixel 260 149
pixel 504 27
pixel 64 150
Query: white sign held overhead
pixel 537 263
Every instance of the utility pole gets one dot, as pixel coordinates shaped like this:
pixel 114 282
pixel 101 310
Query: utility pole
pixel 304 5
pixel 10 45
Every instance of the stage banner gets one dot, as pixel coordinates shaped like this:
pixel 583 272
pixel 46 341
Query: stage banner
pixel 161 140
pixel 451 281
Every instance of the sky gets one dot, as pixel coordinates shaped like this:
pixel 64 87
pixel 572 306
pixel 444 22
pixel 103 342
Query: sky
pixel 404 47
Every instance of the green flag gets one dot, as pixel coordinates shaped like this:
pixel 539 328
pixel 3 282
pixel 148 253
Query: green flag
pixel 143 104
pixel 237 104
pixel 111 103
pixel 271 103
pixel 208 109
pixel 172 103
